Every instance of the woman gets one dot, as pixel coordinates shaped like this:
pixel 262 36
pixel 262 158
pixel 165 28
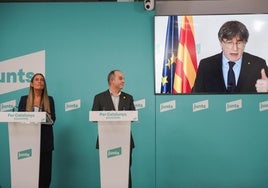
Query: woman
pixel 36 101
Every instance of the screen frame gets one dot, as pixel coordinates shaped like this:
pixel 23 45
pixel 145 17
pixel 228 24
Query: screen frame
pixel 256 34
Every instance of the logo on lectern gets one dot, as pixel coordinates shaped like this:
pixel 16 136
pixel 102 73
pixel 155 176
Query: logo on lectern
pixel 24 154
pixel 114 152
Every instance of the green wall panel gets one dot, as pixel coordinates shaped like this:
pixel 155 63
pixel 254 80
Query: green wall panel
pixel 83 42
pixel 211 147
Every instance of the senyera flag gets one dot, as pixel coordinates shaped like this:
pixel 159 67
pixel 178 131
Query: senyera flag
pixel 186 64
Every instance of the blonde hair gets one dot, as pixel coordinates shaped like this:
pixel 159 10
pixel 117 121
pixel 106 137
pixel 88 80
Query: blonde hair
pixel 44 98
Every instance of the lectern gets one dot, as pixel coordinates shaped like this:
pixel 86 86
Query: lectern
pixel 24 146
pixel 114 145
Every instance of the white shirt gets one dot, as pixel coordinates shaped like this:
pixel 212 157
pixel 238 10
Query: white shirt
pixel 115 99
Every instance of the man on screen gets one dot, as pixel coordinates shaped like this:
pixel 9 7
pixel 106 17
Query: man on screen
pixel 232 70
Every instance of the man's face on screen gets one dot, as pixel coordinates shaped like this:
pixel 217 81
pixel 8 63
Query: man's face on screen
pixel 233 49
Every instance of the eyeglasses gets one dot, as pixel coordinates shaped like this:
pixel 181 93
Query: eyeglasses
pixel 230 44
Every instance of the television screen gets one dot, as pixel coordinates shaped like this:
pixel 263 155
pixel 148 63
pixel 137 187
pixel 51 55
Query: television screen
pixel 181 42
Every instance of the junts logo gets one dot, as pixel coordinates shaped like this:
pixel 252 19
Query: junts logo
pixel 263 106
pixel 7 106
pixel 233 105
pixel 201 105
pixel 114 152
pixel 73 105
pixel 24 154
pixel 166 106
pixel 139 104
pixel 16 73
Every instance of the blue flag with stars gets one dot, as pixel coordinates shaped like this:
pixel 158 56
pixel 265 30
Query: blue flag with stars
pixel 170 56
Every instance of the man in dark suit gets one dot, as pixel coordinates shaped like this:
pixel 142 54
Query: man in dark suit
pixel 115 99
pixel 249 71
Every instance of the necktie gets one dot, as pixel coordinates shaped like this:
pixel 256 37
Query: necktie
pixel 231 78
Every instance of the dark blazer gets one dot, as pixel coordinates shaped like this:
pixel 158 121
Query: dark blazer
pixel 47 138
pixel 103 102
pixel 209 77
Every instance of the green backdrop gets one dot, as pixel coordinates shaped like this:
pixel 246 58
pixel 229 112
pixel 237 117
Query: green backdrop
pixel 176 148
pixel 212 148
pixel 83 42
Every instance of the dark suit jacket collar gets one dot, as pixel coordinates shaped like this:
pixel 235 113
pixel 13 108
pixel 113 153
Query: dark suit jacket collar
pixel 109 99
pixel 245 69
pixel 218 59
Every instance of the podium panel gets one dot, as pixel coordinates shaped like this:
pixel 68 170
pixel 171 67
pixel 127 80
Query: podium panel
pixel 24 129
pixel 114 149
pixel 24 147
pixel 114 129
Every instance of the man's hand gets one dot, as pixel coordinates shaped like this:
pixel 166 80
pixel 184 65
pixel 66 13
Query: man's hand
pixel 262 84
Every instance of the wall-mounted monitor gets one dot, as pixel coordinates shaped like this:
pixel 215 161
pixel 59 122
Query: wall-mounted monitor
pixel 181 42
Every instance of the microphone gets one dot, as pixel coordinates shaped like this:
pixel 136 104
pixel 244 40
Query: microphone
pixel 49 120
pixel 14 107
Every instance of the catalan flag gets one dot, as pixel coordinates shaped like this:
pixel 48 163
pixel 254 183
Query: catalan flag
pixel 170 56
pixel 186 65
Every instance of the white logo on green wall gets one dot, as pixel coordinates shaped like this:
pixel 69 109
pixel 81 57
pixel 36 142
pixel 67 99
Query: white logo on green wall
pixel 16 73
pixel 114 152
pixel 166 106
pixel 234 105
pixel 24 154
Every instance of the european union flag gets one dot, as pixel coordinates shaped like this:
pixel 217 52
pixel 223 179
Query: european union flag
pixel 170 56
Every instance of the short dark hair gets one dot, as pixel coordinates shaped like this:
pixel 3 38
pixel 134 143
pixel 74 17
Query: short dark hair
pixel 232 29
pixel 111 74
